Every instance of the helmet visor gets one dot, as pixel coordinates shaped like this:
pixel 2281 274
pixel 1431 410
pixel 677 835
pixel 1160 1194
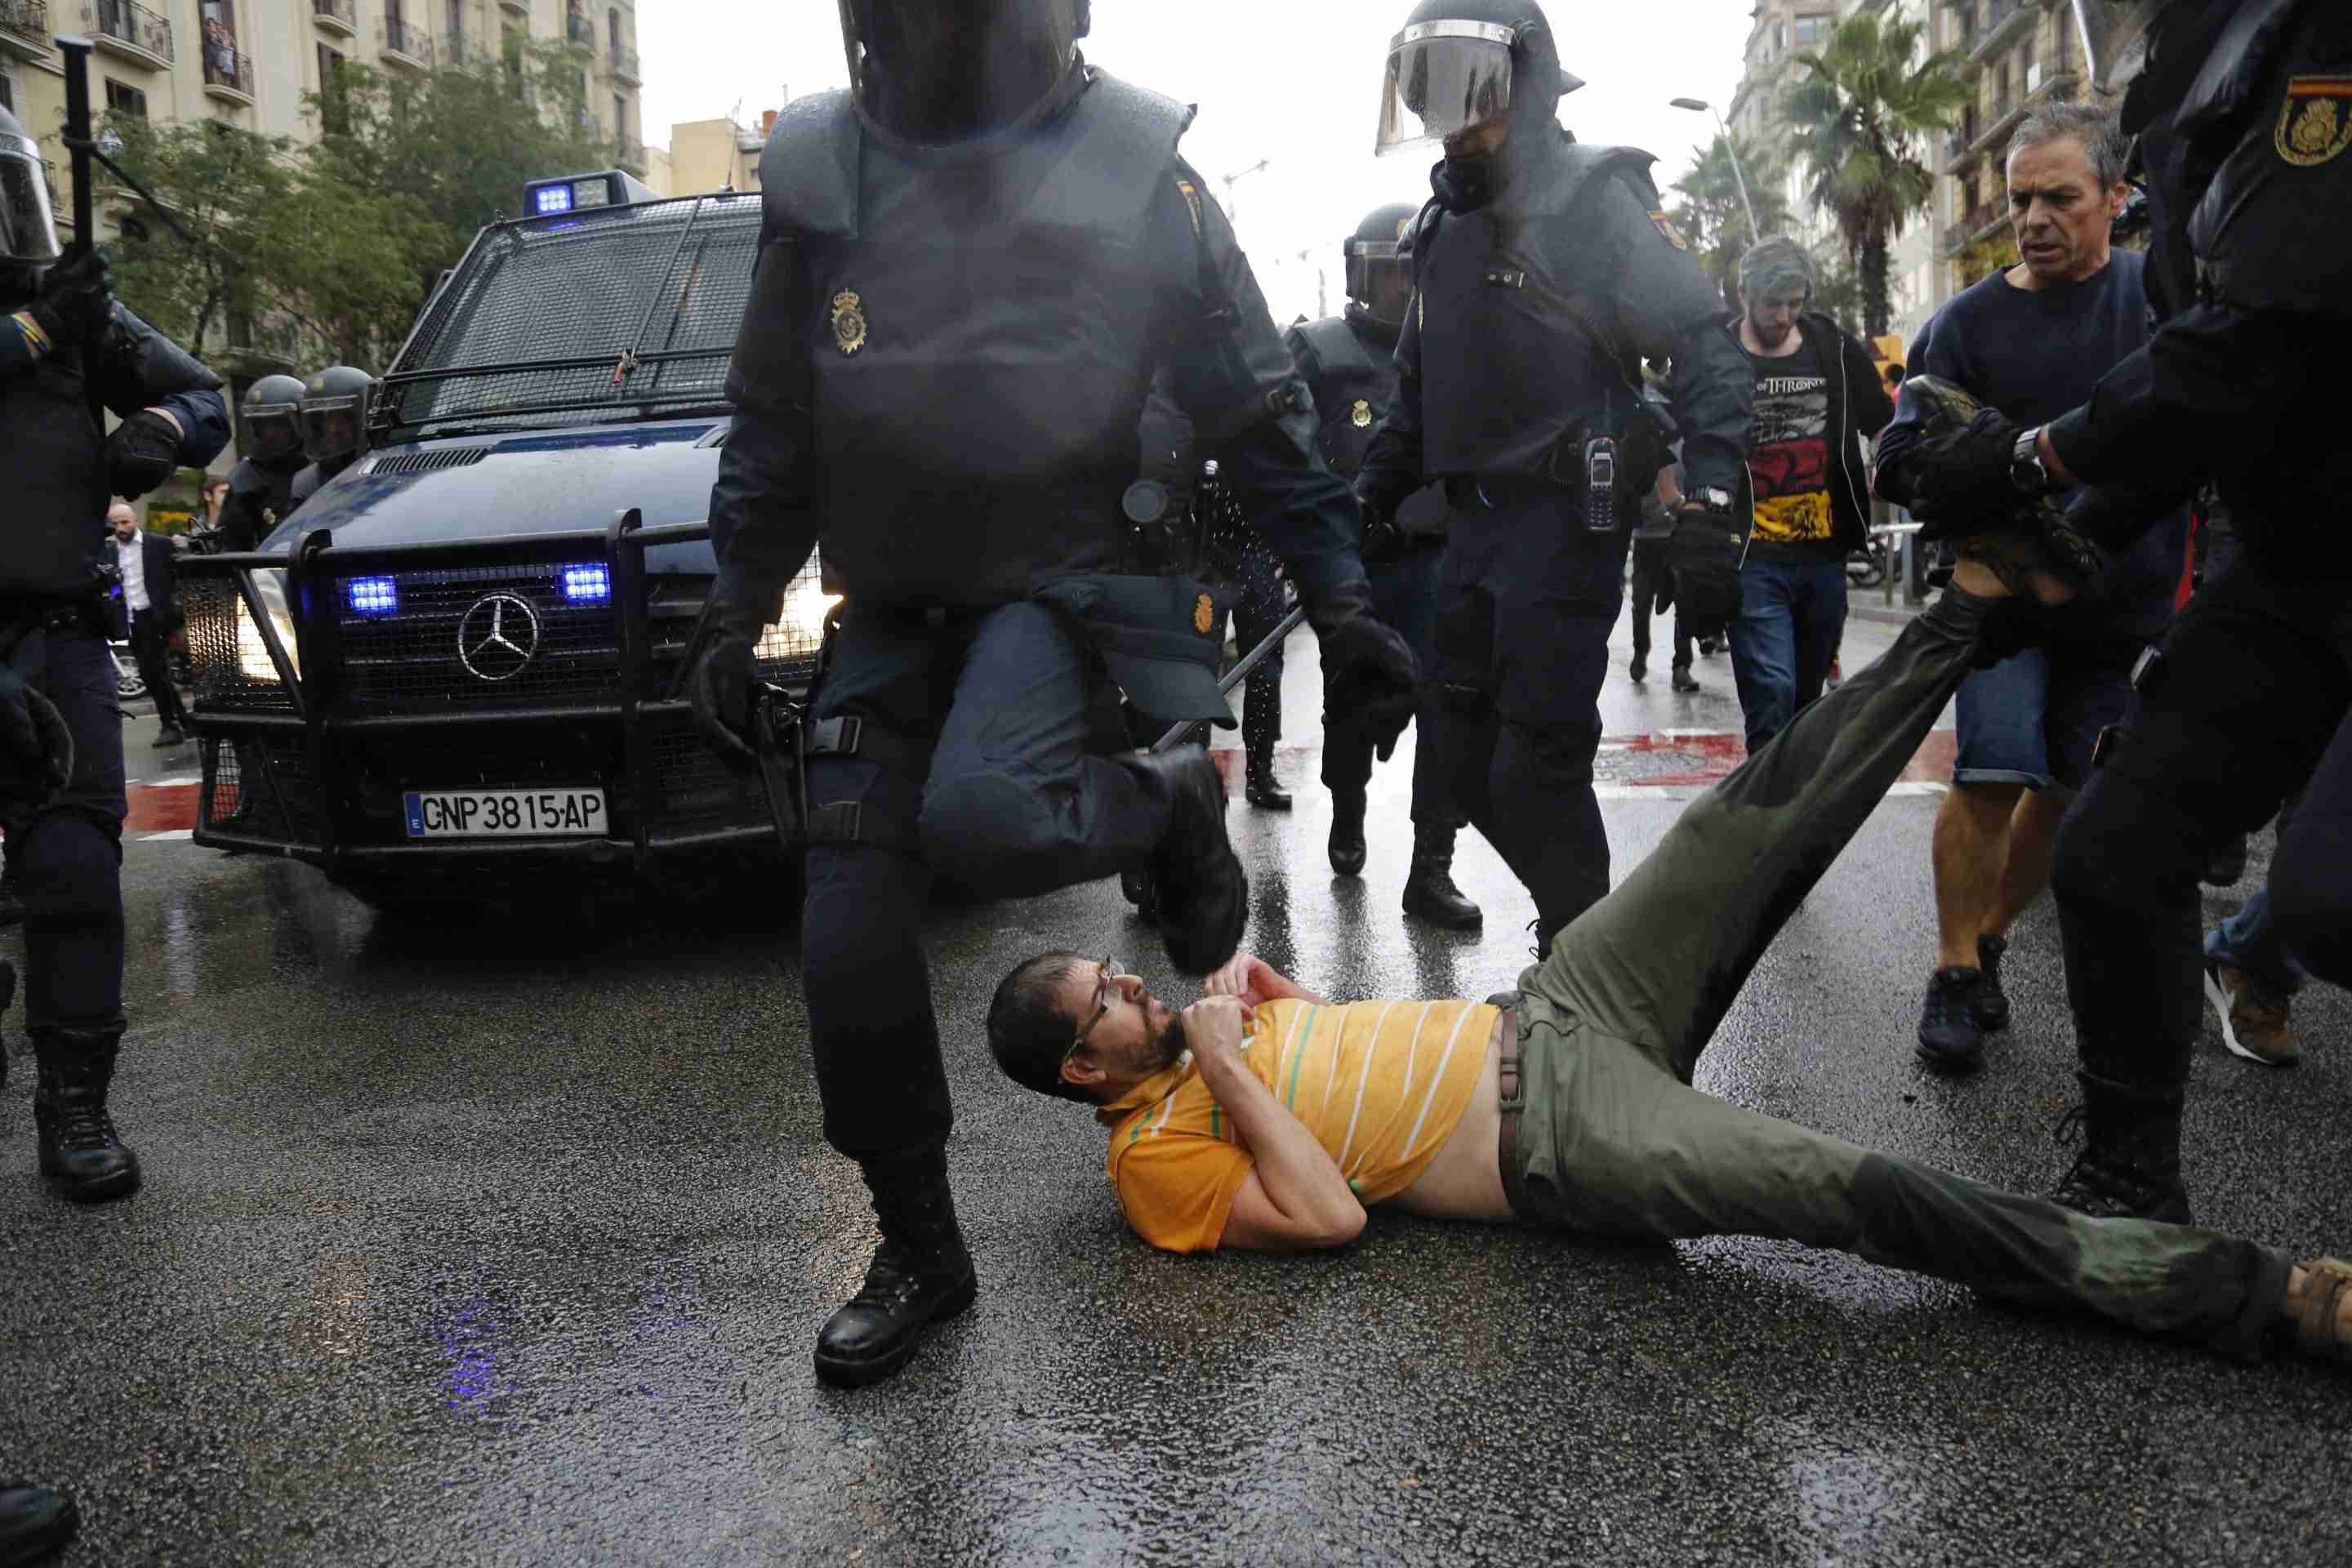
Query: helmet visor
pixel 330 428
pixel 2114 39
pixel 1443 78
pixel 28 229
pixel 1376 277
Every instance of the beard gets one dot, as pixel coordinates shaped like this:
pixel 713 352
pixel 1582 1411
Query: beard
pixel 948 69
pixel 1771 337
pixel 1168 1046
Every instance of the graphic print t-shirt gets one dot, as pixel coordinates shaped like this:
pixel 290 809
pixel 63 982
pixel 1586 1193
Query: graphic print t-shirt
pixel 1789 453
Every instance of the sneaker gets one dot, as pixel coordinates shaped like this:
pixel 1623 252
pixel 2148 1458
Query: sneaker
pixel 1951 1039
pixel 2254 1020
pixel 1992 1002
pixel 1641 665
pixel 1684 680
pixel 1837 675
pixel 166 737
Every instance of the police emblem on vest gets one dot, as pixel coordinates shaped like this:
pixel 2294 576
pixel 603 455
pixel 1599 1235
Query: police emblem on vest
pixel 2315 121
pixel 849 321
pixel 1362 416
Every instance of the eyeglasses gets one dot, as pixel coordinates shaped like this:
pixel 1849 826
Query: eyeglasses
pixel 1102 1007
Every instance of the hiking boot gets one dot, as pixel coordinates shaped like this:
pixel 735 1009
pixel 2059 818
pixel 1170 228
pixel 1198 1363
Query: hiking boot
pixel 1262 789
pixel 1950 1037
pixel 79 1149
pixel 2255 1020
pixel 1428 890
pixel 1204 894
pixel 922 1273
pixel 1640 667
pixel 34 1522
pixel 1992 1002
pixel 2129 1165
pixel 1137 886
pixel 1684 680
pixel 2321 1311
pixel 169 735
pixel 1347 832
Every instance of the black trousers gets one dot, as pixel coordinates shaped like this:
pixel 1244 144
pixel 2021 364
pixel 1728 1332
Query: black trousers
pixel 1405 597
pixel 990 761
pixel 1527 599
pixel 150 640
pixel 1651 578
pixel 2250 699
pixel 1243 583
pixel 65 862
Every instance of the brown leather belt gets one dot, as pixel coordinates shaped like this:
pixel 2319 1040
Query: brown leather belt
pixel 1512 1098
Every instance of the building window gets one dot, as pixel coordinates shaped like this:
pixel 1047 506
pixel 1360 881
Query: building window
pixel 8 93
pixel 1813 31
pixel 510 61
pixel 620 118
pixel 123 99
pixel 612 28
pixel 332 114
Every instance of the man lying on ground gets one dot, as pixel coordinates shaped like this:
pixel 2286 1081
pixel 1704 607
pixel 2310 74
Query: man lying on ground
pixel 1569 1103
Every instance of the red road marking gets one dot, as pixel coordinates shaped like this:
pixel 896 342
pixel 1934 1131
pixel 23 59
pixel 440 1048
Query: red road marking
pixel 160 808
pixel 1714 757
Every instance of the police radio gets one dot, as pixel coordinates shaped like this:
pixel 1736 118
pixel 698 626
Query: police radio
pixel 1600 484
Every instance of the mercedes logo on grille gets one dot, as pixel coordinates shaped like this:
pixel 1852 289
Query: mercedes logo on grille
pixel 499 637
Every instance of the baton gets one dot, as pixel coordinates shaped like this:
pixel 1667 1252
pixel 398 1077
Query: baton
pixel 1257 656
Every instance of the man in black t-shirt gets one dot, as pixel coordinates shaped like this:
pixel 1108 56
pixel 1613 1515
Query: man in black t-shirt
pixel 1817 394
pixel 2032 343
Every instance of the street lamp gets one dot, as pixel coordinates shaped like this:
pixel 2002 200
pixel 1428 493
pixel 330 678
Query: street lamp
pixel 1701 106
pixel 1322 281
pixel 1233 216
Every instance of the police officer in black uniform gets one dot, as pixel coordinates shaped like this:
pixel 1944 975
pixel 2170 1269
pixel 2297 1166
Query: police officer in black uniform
pixel 66 349
pixel 334 428
pixel 262 485
pixel 1350 363
pixel 2243 113
pixel 971 267
pixel 1546 271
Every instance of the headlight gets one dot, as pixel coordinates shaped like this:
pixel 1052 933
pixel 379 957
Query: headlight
pixel 797 634
pixel 253 660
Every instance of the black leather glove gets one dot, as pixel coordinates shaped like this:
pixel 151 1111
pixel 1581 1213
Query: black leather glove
pixel 1959 469
pixel 722 675
pixel 144 451
pixel 1371 684
pixel 36 749
pixel 1665 594
pixel 1705 551
pixel 77 299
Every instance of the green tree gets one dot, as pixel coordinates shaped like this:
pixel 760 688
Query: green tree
pixel 222 185
pixel 1714 218
pixel 1862 121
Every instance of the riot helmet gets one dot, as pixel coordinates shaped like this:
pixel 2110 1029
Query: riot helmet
pixel 334 416
pixel 272 414
pixel 2116 37
pixel 1379 284
pixel 945 70
pixel 1461 64
pixel 28 228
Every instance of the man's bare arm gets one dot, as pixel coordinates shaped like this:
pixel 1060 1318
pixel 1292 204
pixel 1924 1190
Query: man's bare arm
pixel 1254 982
pixel 1295 1200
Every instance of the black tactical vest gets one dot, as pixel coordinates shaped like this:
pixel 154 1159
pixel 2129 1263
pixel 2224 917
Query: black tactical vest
pixel 260 496
pixel 1355 387
pixel 1512 384
pixel 986 318
pixel 57 483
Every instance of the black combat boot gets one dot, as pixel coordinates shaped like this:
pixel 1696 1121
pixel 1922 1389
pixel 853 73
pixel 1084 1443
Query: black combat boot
pixel 1263 790
pixel 1428 890
pixel 921 1274
pixel 1347 832
pixel 79 1149
pixel 34 1522
pixel 2129 1166
pixel 1202 892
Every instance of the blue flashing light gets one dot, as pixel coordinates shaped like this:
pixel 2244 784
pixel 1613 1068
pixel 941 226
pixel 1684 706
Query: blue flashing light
pixel 372 596
pixel 587 584
pixel 551 198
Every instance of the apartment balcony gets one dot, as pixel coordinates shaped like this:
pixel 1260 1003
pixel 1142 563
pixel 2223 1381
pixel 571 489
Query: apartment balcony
pixel 2006 21
pixel 262 347
pixel 2006 114
pixel 228 75
pixel 131 30
pixel 1959 143
pixel 625 67
pixel 406 43
pixel 581 31
pixel 25 28
pixel 1977 224
pixel 520 7
pixel 341 17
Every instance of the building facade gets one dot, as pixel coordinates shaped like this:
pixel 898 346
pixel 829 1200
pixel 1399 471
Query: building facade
pixel 2016 54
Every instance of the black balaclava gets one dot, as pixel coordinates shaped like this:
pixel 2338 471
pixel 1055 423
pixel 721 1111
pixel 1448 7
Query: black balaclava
pixel 942 71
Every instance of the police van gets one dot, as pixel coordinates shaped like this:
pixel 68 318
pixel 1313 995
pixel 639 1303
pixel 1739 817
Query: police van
pixel 454 670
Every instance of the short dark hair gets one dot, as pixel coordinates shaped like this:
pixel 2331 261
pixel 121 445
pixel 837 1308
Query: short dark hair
pixel 2099 129
pixel 1895 371
pixel 1028 1032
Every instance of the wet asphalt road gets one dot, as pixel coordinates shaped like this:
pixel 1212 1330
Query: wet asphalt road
pixel 504 1244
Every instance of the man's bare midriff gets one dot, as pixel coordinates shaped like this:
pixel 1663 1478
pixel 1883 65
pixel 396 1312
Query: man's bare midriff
pixel 1465 1180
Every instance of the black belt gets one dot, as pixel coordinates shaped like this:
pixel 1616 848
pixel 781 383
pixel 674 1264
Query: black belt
pixel 1512 1098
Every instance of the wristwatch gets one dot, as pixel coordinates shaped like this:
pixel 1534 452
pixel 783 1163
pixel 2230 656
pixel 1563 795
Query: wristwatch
pixel 2025 468
pixel 1714 497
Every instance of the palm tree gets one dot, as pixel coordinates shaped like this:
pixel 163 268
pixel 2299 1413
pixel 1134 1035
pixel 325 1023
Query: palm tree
pixel 1862 120
pixel 1711 214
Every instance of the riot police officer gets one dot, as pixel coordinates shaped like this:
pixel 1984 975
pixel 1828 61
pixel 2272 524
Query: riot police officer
pixel 1546 271
pixel 64 347
pixel 334 427
pixel 2244 115
pixel 971 267
pixel 262 485
pixel 1350 363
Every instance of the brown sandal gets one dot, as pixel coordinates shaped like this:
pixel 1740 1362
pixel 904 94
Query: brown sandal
pixel 2325 1283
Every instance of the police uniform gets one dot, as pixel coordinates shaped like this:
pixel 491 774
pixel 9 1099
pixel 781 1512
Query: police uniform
pixel 1535 302
pixel 260 496
pixel 65 856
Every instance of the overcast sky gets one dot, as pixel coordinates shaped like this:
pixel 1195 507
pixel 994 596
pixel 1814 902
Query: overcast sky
pixel 1294 81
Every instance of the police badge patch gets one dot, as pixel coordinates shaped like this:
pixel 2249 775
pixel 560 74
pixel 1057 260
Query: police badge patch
pixel 2315 121
pixel 1668 232
pixel 1204 615
pixel 849 321
pixel 1362 416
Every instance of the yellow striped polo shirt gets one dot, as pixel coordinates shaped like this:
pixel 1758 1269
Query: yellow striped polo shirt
pixel 1379 1084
